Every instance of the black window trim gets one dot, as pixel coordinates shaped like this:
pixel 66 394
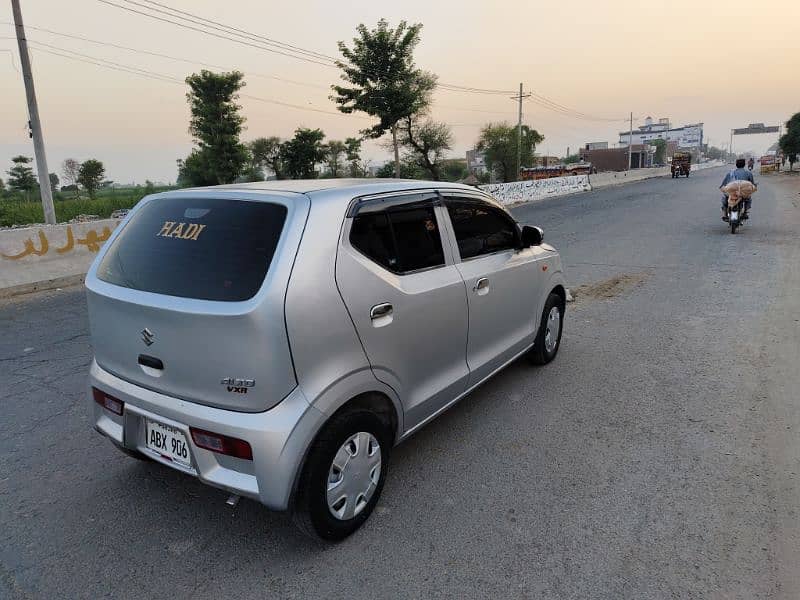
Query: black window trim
pixel 393 199
pixel 479 200
pixel 404 201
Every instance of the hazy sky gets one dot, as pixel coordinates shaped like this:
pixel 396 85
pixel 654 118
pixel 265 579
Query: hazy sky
pixel 726 64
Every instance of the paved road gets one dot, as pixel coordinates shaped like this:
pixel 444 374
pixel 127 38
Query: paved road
pixel 657 457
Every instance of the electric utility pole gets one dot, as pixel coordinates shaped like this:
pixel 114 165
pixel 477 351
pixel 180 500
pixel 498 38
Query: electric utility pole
pixel 630 143
pixel 35 124
pixel 521 97
pixel 730 148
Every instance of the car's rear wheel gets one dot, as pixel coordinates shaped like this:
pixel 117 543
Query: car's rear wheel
pixel 343 476
pixel 548 339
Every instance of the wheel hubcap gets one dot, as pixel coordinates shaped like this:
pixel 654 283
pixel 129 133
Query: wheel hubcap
pixel 552 330
pixel 354 475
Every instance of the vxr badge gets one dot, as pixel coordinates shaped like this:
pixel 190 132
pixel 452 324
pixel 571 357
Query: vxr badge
pixel 148 337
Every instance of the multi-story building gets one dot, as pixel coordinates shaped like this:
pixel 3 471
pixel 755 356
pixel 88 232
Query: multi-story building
pixel 686 136
pixel 476 162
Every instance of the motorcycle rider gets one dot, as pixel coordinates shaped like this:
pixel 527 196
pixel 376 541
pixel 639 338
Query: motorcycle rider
pixel 738 174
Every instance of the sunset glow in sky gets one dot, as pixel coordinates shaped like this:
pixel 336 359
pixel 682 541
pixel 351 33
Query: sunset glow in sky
pixel 726 64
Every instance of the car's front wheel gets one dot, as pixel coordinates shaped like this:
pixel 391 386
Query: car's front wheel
pixel 548 339
pixel 343 475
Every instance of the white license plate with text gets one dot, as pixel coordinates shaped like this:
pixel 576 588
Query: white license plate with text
pixel 168 441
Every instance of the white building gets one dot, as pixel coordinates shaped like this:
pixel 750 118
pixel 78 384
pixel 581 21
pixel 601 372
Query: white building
pixel 687 136
pixel 476 162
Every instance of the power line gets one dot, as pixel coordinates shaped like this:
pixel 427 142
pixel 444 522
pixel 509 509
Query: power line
pixel 211 33
pixel 100 62
pixel 170 57
pixel 568 112
pixel 316 57
pixel 202 25
pixel 472 90
pixel 247 33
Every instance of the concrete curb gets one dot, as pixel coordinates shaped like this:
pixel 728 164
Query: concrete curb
pixel 46 257
pixel 40 286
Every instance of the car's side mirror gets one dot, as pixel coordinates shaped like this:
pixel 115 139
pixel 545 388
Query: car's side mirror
pixel 532 236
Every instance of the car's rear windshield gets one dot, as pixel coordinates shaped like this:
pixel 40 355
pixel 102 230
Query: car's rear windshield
pixel 204 248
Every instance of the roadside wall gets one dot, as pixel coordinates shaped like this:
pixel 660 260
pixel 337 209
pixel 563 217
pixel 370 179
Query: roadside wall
pixel 49 256
pixel 46 257
pixel 601 180
pixel 529 191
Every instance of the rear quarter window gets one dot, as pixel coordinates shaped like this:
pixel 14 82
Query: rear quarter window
pixel 203 248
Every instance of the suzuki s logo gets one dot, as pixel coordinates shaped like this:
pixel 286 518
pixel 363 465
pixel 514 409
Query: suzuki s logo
pixel 148 337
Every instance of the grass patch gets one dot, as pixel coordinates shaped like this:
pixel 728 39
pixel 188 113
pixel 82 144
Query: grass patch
pixel 14 210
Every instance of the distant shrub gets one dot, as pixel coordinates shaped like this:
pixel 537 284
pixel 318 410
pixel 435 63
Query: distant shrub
pixel 16 211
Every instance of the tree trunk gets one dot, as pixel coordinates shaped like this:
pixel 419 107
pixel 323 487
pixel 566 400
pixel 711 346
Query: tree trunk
pixel 396 152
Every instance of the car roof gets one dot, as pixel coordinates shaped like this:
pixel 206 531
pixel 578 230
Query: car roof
pixel 350 187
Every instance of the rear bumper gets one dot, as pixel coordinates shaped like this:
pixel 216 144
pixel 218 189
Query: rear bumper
pixel 279 437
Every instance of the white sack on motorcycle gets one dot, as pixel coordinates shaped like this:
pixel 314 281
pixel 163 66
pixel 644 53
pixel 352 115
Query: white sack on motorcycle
pixel 738 189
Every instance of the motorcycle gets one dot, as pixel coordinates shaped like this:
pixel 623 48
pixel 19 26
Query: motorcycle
pixel 738 192
pixel 737 213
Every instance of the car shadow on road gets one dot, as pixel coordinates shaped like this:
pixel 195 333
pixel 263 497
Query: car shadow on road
pixel 156 501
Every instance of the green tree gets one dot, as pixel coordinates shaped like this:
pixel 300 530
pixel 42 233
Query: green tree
pixel 215 125
pixel 2 187
pixel 192 170
pixel 266 153
pixel 149 188
pixel 334 159
pixel 70 169
pixel 408 170
pixel 572 159
pixel 498 142
pixel 91 175
pixel 54 182
pixel 661 151
pixel 303 152
pixel 353 154
pixel 383 80
pixel 20 175
pixel 454 169
pixel 252 171
pixel 426 143
pixel 790 141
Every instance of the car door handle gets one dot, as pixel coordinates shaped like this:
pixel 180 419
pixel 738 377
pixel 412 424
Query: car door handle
pixel 481 286
pixel 381 310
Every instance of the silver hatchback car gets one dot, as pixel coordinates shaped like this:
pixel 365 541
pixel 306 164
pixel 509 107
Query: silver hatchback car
pixel 277 339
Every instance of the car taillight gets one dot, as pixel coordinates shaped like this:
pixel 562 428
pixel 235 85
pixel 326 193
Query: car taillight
pixel 222 443
pixel 108 402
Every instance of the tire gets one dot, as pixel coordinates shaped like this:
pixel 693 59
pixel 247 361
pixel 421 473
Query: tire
pixel 312 513
pixel 545 348
pixel 733 227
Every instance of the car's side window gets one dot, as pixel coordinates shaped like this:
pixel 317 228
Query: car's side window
pixel 480 228
pixel 400 239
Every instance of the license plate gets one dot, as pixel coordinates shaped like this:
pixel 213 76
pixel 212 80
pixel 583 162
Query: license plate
pixel 168 441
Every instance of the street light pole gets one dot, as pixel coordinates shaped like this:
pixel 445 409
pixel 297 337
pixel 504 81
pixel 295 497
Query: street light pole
pixel 630 143
pixel 730 147
pixel 35 124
